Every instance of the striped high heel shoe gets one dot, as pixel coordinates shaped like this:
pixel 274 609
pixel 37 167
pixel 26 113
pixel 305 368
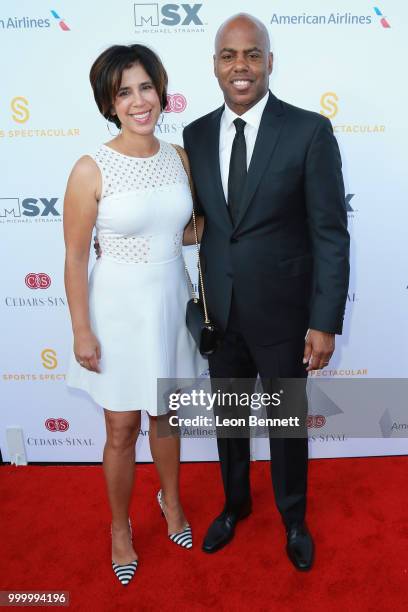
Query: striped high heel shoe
pixel 125 573
pixel 183 538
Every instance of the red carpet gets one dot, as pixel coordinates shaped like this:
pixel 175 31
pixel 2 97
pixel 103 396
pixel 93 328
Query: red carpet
pixel 55 536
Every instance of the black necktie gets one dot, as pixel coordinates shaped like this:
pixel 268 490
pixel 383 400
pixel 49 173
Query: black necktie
pixel 237 170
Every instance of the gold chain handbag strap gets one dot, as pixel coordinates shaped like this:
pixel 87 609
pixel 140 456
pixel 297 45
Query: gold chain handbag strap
pixel 200 276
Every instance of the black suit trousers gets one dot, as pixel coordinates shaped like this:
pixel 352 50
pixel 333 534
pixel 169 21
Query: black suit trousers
pixel 239 358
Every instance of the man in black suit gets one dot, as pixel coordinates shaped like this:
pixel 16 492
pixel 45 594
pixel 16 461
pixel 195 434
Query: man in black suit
pixel 275 257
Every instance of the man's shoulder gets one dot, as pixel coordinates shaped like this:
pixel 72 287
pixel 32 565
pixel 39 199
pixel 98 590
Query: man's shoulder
pixel 202 122
pixel 303 116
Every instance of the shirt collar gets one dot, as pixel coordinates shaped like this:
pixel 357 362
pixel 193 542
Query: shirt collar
pixel 253 116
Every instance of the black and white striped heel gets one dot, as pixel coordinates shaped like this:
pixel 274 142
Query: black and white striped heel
pixel 183 538
pixel 125 573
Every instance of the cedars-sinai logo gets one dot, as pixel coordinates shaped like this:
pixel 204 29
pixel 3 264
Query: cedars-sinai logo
pixel 57 424
pixel 37 280
pixel 176 103
pixel 315 420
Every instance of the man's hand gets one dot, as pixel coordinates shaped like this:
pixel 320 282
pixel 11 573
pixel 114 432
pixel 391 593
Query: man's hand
pixel 319 347
pixel 97 248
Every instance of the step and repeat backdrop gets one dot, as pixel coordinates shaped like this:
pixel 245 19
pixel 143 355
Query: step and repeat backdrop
pixel 343 59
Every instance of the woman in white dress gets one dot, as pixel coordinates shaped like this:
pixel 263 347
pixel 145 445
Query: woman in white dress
pixel 128 320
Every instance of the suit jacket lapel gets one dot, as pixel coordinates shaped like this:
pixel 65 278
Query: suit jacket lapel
pixel 214 163
pixel 266 141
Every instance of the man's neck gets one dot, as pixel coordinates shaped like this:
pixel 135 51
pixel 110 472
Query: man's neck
pixel 241 109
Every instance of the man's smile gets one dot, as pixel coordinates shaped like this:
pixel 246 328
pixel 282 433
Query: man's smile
pixel 241 84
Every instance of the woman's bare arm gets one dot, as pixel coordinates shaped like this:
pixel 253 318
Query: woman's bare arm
pixel 189 236
pixel 80 210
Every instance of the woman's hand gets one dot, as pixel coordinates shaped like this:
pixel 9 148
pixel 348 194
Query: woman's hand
pixel 87 350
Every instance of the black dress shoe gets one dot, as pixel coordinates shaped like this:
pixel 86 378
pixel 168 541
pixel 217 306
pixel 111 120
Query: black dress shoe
pixel 300 547
pixel 221 531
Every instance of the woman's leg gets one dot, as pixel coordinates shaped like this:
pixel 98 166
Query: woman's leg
pixel 166 455
pixel 122 429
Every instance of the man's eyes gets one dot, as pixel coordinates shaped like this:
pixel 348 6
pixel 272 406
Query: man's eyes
pixel 252 56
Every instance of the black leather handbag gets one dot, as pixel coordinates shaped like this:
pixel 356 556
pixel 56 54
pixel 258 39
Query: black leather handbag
pixel 203 331
pixel 200 327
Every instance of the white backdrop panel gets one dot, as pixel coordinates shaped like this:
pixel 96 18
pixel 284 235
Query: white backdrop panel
pixel 323 61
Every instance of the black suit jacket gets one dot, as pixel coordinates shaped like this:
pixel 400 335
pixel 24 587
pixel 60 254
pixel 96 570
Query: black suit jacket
pixel 287 256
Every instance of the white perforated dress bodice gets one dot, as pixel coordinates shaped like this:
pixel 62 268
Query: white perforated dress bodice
pixel 144 206
pixel 138 289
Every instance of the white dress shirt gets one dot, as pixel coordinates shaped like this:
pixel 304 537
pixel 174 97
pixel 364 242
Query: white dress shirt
pixel 227 134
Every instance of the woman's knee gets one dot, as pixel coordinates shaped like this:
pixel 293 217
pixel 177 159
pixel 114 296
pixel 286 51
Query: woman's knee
pixel 122 432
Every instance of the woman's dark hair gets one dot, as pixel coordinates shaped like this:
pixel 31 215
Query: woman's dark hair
pixel 106 75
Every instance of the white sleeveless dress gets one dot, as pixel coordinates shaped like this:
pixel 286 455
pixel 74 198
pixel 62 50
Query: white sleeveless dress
pixel 138 289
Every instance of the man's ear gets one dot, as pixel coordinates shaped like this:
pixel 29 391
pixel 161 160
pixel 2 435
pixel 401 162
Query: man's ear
pixel 270 62
pixel 215 65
